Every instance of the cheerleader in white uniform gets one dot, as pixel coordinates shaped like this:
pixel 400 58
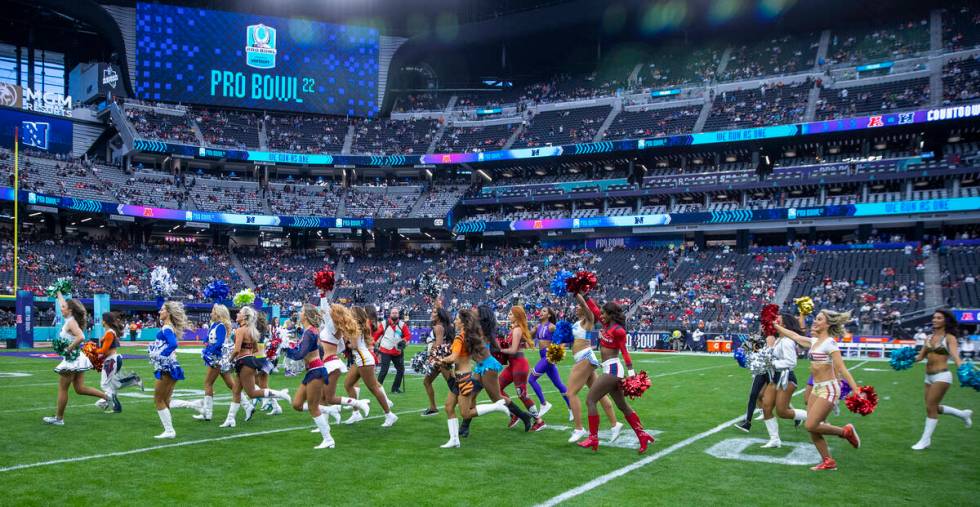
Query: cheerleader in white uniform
pixel 338 327
pixel 217 358
pixel 163 357
pixel 72 371
pixel 271 405
pixel 364 367
pixel 583 373
pixel 441 333
pixel 112 378
pixel 777 394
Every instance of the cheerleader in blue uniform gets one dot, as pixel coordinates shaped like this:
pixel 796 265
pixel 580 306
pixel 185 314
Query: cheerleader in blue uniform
pixel 270 405
pixel 311 390
pixel 247 366
pixel 72 368
pixel 163 357
pixel 217 358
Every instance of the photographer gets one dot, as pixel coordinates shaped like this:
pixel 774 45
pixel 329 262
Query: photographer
pixel 392 337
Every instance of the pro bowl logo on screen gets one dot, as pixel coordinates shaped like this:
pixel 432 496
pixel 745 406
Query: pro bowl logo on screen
pixel 260 46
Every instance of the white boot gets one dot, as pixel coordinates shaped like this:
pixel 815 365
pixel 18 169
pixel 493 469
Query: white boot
pixel 324 427
pixel 276 409
pixel 453 434
pixel 362 406
pixel 387 400
pixel 331 410
pixel 168 426
pixel 207 406
pixel 965 415
pixel 615 431
pixel 772 426
pixel 926 439
pixel 196 404
pixel 390 419
pixel 544 409
pixel 799 415
pixel 497 406
pixel 282 394
pixel 232 413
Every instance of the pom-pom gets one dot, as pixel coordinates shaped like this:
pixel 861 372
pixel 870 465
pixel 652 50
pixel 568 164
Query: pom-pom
pixel 62 285
pixel 217 291
pixel 244 298
pixel 768 318
pixel 429 285
pixel 635 386
pixel 421 364
pixel 438 353
pixel 969 375
pixel 272 348
pixel 761 361
pixel 740 358
pixel 323 280
pixel 555 353
pixel 558 285
pixel 862 402
pixel 804 305
pixel 91 351
pixel 581 283
pixel 161 281
pixel 60 346
pixel 158 361
pixel 903 358
pixel 563 333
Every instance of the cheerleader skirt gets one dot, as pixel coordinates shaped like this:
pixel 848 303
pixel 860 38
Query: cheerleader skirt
pixel 79 364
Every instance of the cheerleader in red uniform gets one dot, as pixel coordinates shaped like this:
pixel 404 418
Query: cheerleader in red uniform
pixel 517 366
pixel 309 394
pixel 612 342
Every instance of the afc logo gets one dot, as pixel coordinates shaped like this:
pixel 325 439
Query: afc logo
pixel 260 46
pixel 35 133
pixel 875 121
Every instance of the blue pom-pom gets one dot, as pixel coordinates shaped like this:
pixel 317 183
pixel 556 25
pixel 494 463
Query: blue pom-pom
pixel 563 333
pixel 217 291
pixel 903 358
pixel 969 375
pixel 740 358
pixel 558 286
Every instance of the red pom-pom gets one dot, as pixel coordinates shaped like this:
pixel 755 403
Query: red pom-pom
pixel 90 349
pixel 323 280
pixel 502 344
pixel 635 386
pixel 582 282
pixel 272 350
pixel 768 318
pixel 863 402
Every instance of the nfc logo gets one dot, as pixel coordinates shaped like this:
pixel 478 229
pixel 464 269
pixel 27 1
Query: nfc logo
pixel 35 134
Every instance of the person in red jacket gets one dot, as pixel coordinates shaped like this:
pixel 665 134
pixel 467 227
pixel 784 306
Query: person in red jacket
pixel 392 337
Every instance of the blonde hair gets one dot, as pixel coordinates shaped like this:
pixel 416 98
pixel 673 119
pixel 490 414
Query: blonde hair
pixel 178 319
pixel 344 322
pixel 221 312
pixel 311 315
pixel 521 318
pixel 836 322
pixel 250 319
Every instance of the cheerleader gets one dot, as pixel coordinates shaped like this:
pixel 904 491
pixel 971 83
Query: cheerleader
pixel 72 372
pixel 612 342
pixel 339 326
pixel 467 343
pixel 825 360
pixel 937 351
pixel 163 356
pixel 309 394
pixel 364 363
pixel 486 370
pixel 441 328
pixel 262 375
pixel 583 372
pixel 543 333
pixel 246 367
pixel 517 366
pixel 779 391
pixel 759 383
pixel 112 378
pixel 217 355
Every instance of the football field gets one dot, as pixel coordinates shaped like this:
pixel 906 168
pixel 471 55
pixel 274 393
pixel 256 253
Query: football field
pixel 105 458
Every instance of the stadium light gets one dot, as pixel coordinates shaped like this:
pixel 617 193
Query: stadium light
pixel 486 176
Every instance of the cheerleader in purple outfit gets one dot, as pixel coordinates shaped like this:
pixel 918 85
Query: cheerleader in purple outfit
pixel 543 333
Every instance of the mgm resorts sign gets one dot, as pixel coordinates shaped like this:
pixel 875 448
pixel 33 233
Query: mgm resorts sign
pixel 27 99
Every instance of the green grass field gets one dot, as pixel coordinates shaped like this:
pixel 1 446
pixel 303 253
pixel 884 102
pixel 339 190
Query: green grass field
pixel 98 457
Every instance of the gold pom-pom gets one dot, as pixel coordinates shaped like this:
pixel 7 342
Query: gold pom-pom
pixel 555 353
pixel 804 305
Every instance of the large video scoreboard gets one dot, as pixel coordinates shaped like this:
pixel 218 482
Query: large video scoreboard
pixel 230 59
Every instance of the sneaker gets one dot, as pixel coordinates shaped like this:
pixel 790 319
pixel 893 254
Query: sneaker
pixel 103 404
pixel 54 421
pixel 116 406
pixel 513 421
pixel 851 435
pixel 826 464
pixel 578 435
pixel 355 417
pixel 544 409
pixel 390 419
pixel 539 425
pixel 744 426
pixel 429 412
pixel 615 431
pixel 167 434
pixel 249 410
pixel 534 412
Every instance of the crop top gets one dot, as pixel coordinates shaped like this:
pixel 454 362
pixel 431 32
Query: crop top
pixel 109 342
pixel 307 343
pixel 938 349
pixel 612 336
pixel 579 332
pixel 544 332
pixel 459 348
pixel 820 354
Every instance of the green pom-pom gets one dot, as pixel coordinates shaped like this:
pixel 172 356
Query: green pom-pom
pixel 60 346
pixel 244 298
pixel 62 285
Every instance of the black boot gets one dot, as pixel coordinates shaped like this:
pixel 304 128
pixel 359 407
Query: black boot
pixel 464 429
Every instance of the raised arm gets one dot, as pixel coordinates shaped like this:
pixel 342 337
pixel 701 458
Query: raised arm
pixel 798 338
pixel 589 316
